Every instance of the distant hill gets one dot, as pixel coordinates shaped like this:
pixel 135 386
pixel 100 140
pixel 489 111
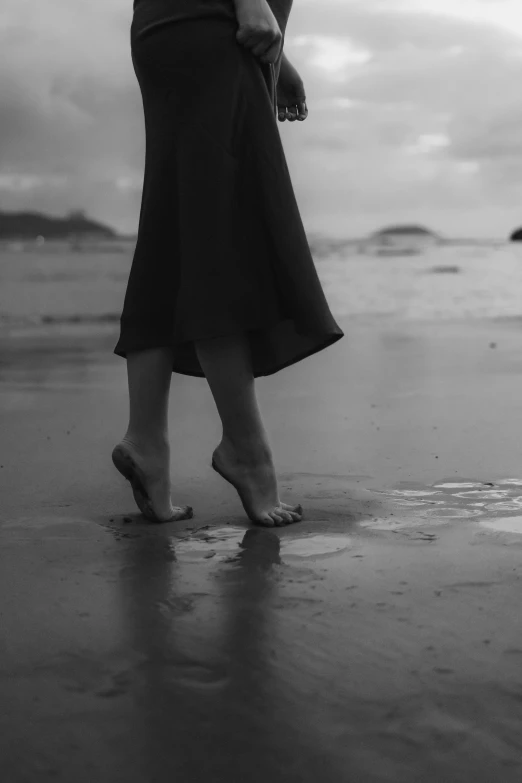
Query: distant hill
pixel 321 245
pixel 516 236
pixel 29 225
pixel 410 230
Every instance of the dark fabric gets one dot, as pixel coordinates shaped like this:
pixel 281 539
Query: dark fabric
pixel 148 14
pixel 221 246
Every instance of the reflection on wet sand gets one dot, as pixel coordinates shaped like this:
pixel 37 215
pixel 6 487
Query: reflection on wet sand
pixel 208 697
pixel 375 642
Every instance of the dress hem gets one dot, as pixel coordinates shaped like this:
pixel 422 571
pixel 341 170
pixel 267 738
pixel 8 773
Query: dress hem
pixel 328 340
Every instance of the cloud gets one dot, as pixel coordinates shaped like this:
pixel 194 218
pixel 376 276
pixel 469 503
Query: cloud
pixel 428 76
pixel 69 107
pixel 414 111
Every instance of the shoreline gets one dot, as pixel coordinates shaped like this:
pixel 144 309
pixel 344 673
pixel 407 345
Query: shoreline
pixel 374 641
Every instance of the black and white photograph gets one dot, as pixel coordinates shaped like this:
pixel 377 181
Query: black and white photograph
pixel 260 391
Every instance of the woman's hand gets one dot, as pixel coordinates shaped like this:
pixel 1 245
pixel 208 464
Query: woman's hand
pixel 291 97
pixel 258 29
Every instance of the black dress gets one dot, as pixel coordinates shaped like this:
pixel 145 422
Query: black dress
pixel 221 247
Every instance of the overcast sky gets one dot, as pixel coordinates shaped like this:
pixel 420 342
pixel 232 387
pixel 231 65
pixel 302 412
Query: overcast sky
pixel 415 113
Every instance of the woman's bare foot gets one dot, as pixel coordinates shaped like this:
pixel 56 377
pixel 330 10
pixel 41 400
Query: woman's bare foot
pixel 148 470
pixel 252 474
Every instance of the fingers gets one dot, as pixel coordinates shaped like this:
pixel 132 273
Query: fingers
pixel 302 111
pixel 264 44
pixel 293 113
pixel 271 54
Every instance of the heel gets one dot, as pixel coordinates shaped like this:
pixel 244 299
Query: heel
pixel 125 464
pixel 213 464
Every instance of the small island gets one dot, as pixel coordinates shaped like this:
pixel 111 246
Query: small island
pixel 400 240
pixel 405 231
pixel 32 225
pixel 516 236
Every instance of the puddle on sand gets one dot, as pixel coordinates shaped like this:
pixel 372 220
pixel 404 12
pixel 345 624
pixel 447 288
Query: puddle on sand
pixel 491 494
pixel 453 512
pixel 314 546
pixel 386 524
pixel 222 543
pixel 395 523
pixel 455 499
pixel 407 493
pixel 515 504
pixel 461 485
pixel 504 524
pixel 409 503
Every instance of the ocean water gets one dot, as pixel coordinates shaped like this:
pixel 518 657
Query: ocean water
pixel 52 284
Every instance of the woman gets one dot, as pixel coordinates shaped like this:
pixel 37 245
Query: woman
pixel 222 283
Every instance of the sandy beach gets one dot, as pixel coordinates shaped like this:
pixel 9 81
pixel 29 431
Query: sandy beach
pixel 375 641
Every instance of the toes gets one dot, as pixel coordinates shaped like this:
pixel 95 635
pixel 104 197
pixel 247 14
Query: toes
pixel 265 521
pixel 186 512
pixel 277 517
pixel 298 509
pixel 286 515
pixel 295 512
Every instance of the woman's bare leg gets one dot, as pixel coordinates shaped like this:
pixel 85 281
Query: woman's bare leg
pixel 244 454
pixel 149 375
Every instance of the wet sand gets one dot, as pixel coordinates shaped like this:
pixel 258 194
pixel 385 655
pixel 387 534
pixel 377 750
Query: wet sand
pixel 378 640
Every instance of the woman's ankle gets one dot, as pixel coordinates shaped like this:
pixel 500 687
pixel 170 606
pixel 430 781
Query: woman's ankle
pixel 147 442
pixel 254 448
